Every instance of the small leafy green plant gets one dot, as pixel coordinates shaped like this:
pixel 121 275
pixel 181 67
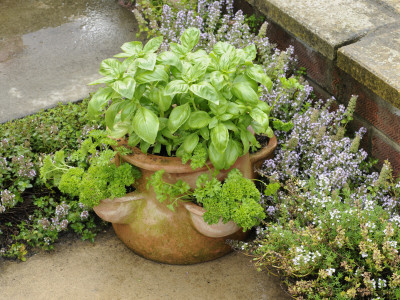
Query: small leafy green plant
pixel 236 199
pixel 94 177
pixel 193 105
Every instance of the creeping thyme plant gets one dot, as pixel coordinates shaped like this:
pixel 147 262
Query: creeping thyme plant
pixel 33 215
pixel 333 226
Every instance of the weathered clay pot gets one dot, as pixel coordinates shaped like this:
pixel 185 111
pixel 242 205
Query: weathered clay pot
pixel 153 231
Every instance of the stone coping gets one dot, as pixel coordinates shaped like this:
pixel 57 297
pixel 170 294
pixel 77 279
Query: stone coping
pixel 375 62
pixel 361 36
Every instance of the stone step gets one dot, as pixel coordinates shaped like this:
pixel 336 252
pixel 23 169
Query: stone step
pixel 348 47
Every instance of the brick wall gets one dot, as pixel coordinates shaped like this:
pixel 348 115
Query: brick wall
pixel 381 119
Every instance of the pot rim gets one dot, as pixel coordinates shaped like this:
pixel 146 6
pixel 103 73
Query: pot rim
pixel 152 162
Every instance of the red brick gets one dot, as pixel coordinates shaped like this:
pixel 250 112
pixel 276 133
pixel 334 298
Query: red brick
pixel 383 151
pixel 344 86
pixel 388 123
pixel 319 68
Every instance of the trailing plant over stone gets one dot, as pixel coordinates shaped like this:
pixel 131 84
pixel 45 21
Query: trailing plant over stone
pixel 192 104
pixel 32 214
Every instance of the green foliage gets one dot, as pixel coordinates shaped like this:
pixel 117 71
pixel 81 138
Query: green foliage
pixel 255 22
pixel 236 199
pixel 24 197
pixel 100 180
pixel 196 104
pixel 335 249
pixel 166 191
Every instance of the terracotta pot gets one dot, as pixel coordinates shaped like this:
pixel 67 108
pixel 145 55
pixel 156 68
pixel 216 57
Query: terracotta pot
pixel 153 231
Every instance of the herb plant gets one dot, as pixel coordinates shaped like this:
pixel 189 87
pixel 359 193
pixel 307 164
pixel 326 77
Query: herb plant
pixel 32 214
pixel 332 228
pixel 236 199
pixel 190 103
pixel 94 178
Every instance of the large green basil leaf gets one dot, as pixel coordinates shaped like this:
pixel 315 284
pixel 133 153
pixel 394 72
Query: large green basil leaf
pixel 195 72
pixel 170 58
pixel 198 56
pixel 232 152
pixel 199 119
pixel 220 137
pixel 264 107
pixel 190 142
pixel 125 87
pixel 219 109
pixel 111 113
pixel 235 109
pixel 158 97
pixel 205 133
pixel 269 132
pixel 217 80
pixel 251 52
pixel 206 91
pixel 245 140
pixel 133 140
pixel 130 49
pixel 256 72
pixel 247 80
pixel 257 128
pixel 176 87
pixel 222 47
pixel 245 93
pixel 178 116
pixel 158 74
pixel 101 80
pixel 217 158
pixel 98 101
pixel 147 62
pixel 128 111
pixel 111 67
pixel 120 129
pixel 229 61
pixel 178 49
pixel 260 117
pixel 190 37
pixel 153 45
pixel 145 124
pixel 230 126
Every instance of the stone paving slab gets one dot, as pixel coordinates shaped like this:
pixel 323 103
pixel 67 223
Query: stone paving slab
pixel 51 49
pixel 109 270
pixel 393 4
pixel 375 62
pixel 326 25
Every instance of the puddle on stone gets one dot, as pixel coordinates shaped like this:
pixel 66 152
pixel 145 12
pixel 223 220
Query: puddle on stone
pixel 19 17
pixel 51 49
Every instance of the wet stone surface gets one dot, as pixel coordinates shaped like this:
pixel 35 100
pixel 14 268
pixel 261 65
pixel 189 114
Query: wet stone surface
pixel 51 49
pixel 107 270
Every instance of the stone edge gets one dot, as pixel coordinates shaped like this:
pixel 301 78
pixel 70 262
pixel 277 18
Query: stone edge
pixel 295 27
pixel 368 78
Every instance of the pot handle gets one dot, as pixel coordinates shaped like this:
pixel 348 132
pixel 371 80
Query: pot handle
pixel 120 210
pixel 215 230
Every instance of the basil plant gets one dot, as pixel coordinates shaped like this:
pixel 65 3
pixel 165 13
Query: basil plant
pixel 187 103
